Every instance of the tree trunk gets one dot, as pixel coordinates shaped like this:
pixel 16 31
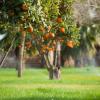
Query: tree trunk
pixel 51 59
pixel 54 72
pixel 17 56
pixel 21 54
pixel 53 63
pixel 51 74
pixel 58 60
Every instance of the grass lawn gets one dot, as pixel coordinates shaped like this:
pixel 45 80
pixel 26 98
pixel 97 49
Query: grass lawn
pixel 75 84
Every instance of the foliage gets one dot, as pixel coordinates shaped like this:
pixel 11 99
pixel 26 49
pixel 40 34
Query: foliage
pixel 39 16
pixel 89 27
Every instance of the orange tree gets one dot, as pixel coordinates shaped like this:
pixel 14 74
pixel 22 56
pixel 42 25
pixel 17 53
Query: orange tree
pixel 41 24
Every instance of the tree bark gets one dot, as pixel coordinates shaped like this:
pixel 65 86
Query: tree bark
pixel 21 54
pixel 58 61
pixel 55 62
pixel 51 60
pixel 51 73
pixel 54 73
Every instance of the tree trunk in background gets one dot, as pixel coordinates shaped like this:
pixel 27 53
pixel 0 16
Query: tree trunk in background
pixel 97 55
pixel 42 61
pixel 16 54
pixel 21 54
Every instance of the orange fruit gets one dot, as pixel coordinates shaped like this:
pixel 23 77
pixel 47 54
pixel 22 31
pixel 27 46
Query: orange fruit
pixel 46 36
pixel 70 44
pixel 59 20
pixel 30 29
pixel 62 29
pixel 51 35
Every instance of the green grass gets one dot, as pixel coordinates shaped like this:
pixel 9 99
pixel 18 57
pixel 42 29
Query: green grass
pixel 75 84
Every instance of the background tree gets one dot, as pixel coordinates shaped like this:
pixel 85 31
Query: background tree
pixel 87 17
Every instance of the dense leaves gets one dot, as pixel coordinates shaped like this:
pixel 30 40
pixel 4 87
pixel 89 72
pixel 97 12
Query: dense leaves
pixel 42 22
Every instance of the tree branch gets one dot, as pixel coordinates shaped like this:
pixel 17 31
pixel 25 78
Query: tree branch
pixel 4 58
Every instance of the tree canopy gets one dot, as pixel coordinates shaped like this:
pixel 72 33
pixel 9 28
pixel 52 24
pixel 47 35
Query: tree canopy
pixel 45 20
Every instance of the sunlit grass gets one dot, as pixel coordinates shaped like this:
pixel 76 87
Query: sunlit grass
pixel 75 84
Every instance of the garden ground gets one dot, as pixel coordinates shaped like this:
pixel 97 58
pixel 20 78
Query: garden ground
pixel 75 84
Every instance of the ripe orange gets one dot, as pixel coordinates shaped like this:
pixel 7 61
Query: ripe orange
pixel 62 29
pixel 46 36
pixel 59 20
pixel 70 44
pixel 30 29
pixel 51 35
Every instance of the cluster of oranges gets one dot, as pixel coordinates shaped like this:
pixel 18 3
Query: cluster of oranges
pixel 29 29
pixel 49 35
pixel 69 43
pixel 59 20
pixel 46 48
